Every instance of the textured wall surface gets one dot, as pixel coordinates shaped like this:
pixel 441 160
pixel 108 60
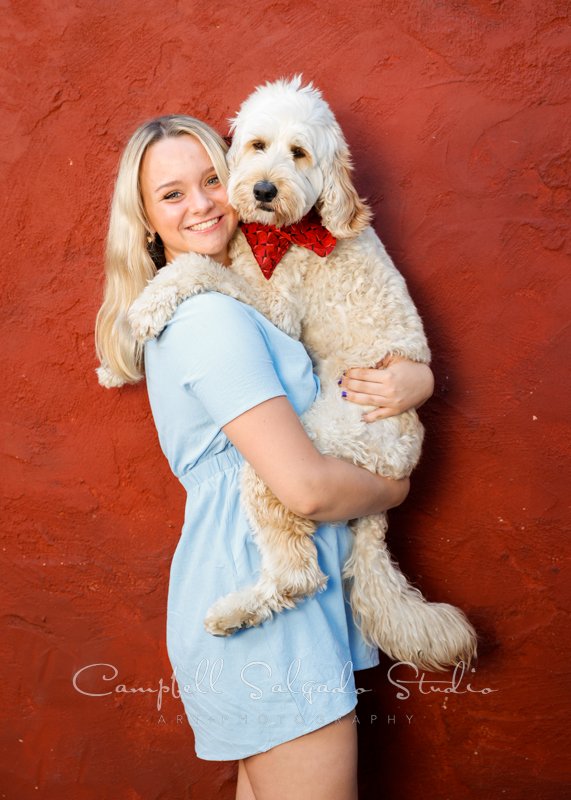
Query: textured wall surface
pixel 457 112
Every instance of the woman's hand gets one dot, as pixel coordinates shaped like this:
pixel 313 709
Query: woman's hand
pixel 396 385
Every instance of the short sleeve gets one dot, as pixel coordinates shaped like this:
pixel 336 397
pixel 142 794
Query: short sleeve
pixel 221 355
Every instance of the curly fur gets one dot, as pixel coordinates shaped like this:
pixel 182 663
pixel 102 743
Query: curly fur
pixel 351 309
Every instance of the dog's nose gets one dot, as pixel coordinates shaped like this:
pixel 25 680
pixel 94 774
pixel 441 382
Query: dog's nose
pixel 265 191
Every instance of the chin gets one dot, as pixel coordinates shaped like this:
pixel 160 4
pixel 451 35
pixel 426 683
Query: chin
pixel 262 216
pixel 279 217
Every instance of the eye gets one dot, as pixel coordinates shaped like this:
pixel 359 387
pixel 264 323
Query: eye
pixel 214 180
pixel 173 195
pixel 298 152
pixel 257 145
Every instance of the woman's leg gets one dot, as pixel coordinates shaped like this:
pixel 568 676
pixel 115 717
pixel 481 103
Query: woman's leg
pixel 321 765
pixel 244 789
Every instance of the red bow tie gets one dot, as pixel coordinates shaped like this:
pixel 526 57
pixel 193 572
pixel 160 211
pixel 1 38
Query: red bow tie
pixel 269 244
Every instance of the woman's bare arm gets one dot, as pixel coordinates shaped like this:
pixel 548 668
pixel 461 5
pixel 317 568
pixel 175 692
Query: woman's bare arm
pixel 272 439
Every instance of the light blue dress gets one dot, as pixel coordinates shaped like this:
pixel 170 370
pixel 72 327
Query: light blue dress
pixel 251 691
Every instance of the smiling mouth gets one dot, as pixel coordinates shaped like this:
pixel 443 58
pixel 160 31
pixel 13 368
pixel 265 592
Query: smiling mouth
pixel 204 226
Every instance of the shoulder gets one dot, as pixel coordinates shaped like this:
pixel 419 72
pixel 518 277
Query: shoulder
pixel 211 302
pixel 213 348
pixel 212 309
pixel 204 329
pixel 211 325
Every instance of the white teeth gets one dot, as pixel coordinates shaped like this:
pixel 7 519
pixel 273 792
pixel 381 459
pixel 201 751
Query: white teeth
pixel 202 226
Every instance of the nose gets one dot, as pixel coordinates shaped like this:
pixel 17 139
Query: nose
pixel 265 191
pixel 199 202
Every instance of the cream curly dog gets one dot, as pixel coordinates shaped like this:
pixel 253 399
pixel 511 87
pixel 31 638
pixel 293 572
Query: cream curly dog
pixel 350 308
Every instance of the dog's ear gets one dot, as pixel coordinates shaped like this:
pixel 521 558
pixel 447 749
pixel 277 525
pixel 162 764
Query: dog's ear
pixel 341 209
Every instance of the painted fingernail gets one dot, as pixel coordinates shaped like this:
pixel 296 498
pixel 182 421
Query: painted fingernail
pixel 340 381
pixel 343 394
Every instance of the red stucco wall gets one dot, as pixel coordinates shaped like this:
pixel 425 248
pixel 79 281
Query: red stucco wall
pixel 457 113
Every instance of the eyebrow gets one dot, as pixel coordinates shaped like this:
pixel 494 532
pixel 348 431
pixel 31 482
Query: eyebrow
pixel 179 180
pixel 166 185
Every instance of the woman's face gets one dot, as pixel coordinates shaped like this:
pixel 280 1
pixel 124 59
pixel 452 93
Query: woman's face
pixel 184 200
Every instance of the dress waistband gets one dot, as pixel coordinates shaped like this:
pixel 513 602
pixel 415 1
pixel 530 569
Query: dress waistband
pixel 228 458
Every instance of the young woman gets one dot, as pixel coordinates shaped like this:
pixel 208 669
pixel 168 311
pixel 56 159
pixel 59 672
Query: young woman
pixel 226 385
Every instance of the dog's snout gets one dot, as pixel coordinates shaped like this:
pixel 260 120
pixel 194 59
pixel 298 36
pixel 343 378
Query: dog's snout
pixel 265 191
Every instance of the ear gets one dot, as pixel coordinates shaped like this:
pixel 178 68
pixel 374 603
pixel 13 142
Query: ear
pixel 342 210
pixel 233 151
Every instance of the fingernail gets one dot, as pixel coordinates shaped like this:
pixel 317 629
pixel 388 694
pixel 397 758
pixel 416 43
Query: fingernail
pixel 340 381
pixel 343 394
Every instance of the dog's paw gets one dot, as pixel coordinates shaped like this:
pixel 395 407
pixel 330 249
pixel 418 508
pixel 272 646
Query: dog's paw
pixel 107 378
pixel 219 627
pixel 229 615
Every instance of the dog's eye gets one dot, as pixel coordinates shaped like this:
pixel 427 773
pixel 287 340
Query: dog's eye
pixel 258 145
pixel 297 152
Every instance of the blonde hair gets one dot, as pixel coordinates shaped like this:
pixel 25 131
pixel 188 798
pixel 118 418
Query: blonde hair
pixel 128 263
